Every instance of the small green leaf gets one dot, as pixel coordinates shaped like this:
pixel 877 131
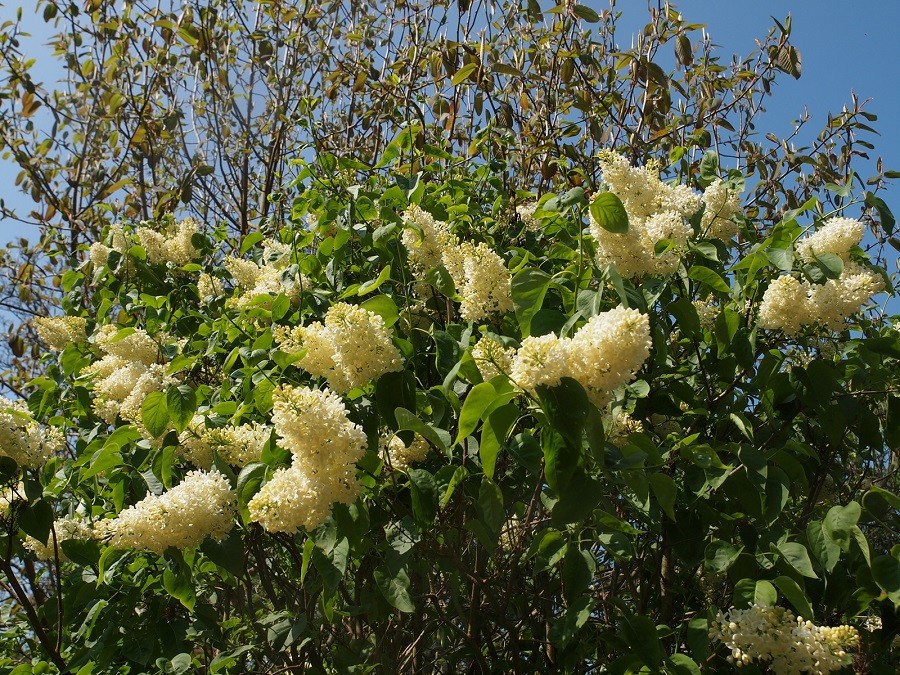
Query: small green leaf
pixel 795 595
pixel 155 414
pixel 798 557
pixel 721 555
pixel 181 403
pixel 384 307
pixel 528 289
pixel 463 73
pixel 609 213
pixel 586 13
pixel 666 492
pixel 437 437
pixel 708 277
pixel 395 588
pixel 839 523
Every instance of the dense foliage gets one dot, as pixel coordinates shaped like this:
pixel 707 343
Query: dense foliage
pixel 510 397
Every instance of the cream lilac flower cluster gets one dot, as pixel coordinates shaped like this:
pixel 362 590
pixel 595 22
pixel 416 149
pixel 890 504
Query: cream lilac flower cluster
pixel 783 643
pixel 236 445
pixel 22 438
pixel 58 332
pixel 126 374
pixel 789 304
pixel 603 354
pixel 66 529
pixel 171 245
pixel 401 456
pixel 352 347
pixel 118 242
pixel 721 203
pixel 492 358
pixel 201 505
pixel 270 277
pixel 656 212
pixel 479 274
pixel 326 445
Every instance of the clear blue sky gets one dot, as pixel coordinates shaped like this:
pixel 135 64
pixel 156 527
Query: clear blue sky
pixel 844 48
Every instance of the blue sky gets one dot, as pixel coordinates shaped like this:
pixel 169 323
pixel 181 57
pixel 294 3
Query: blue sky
pixel 845 49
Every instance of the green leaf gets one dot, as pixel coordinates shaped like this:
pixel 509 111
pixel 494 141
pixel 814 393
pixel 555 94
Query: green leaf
pixel 884 213
pixel 839 523
pixel 682 664
pixel 180 586
pixel 709 168
pixel 830 265
pixel 477 401
pixel 609 213
pixel 369 286
pixel 181 404
pixel 394 390
pixel 586 13
pixel 765 594
pixel 708 277
pixel 566 406
pixel 640 634
pixel 493 435
pixel 795 595
pixel 155 414
pixel 886 573
pixel 666 492
pixel 384 307
pixel 720 555
pixel 824 549
pixel 395 588
pixel 36 519
pixel 464 72
pixel 798 557
pixel 437 437
pixel 529 287
pixel 490 509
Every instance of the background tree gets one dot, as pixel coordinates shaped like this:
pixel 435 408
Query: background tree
pixel 348 167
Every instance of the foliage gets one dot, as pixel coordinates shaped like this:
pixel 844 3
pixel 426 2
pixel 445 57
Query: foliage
pixel 562 526
pixel 199 108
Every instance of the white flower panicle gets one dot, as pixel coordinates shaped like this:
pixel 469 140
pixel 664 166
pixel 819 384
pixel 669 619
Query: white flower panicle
pixel 789 304
pixel 481 278
pixel 66 529
pixel 782 643
pixel 609 350
pixel 294 499
pixel 171 245
pixel 492 358
pixel 642 192
pixel 128 371
pixel 314 426
pixel 23 439
pixel 352 348
pixel 236 445
pixel 479 274
pixel 209 286
pixel 129 344
pixel 836 235
pixel 425 239
pixel 269 278
pixel 656 212
pixel 707 311
pixel 326 445
pixel 541 360
pixel 526 215
pixel 401 456
pixel 721 202
pixel 201 506
pixel 603 354
pixel 621 425
pixel 58 332
pixel 100 251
